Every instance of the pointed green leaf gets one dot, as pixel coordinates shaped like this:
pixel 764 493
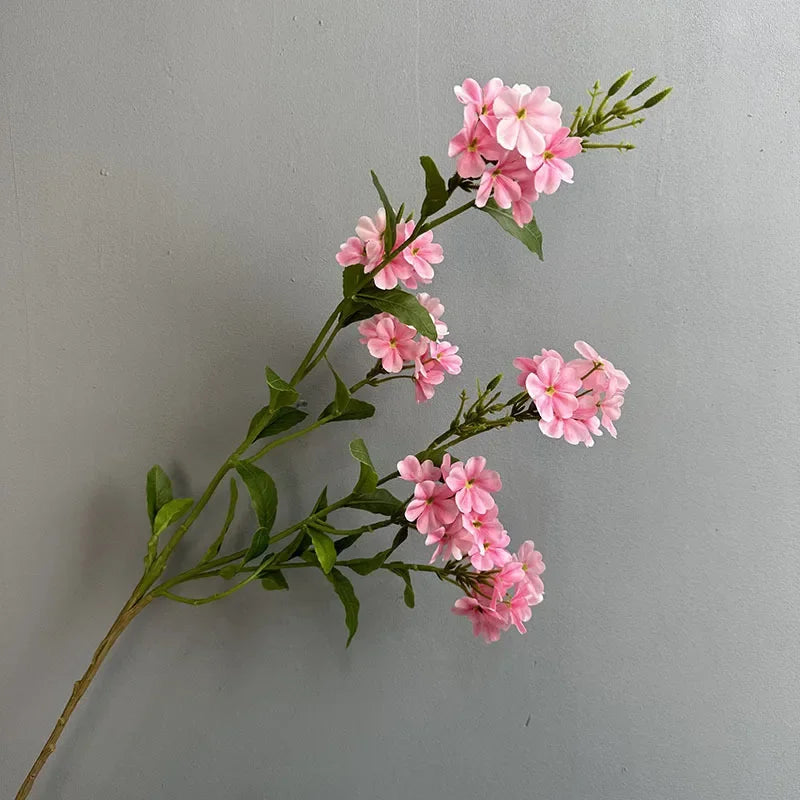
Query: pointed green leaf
pixel 368 478
pixel 281 393
pixel 346 541
pixel 342 394
pixel 324 548
pixel 391 219
pixel 351 277
pixel 263 494
pixel 346 593
pixel 402 305
pixel 229 571
pixel 281 420
pixel 435 189
pixel 159 492
pixel 355 409
pixel 213 550
pixel 529 234
pixel 378 502
pixel 171 513
pixel 354 310
pixel 258 545
pixel 408 592
pixel 322 502
pixel 364 566
pixel 274 580
pixel 296 548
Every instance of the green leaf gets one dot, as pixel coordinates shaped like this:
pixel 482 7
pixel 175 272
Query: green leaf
pixel 322 502
pixel 159 492
pixel 436 196
pixel 258 545
pixel 402 305
pixel 346 541
pixel 408 592
pixel 170 513
pixel 342 394
pixel 323 547
pixel 368 477
pixel 391 219
pixel 274 580
pixel 213 550
pixel 344 589
pixel 354 310
pixel 378 502
pixel 229 571
pixel 263 494
pixel 296 548
pixel 281 420
pixel 281 393
pixel 364 566
pixel 351 277
pixel 355 409
pixel 529 234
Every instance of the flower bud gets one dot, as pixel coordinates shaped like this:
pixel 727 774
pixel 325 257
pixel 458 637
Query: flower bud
pixel 656 98
pixel 619 83
pixel 642 86
pixel 493 383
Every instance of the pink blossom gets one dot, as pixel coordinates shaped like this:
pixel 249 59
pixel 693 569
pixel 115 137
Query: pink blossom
pixel 428 374
pixel 611 409
pixel 445 354
pixel 398 269
pixel 411 470
pixel 478 102
pixel 550 166
pixel 524 116
pixel 553 388
pixel 522 209
pixel 489 551
pixel 518 609
pixel 530 558
pixel 472 144
pixel 452 541
pixel 485 622
pixel 502 181
pixel 473 484
pixel 434 307
pixel 447 462
pixel 420 254
pixel 483 525
pixel 604 375
pixel 432 506
pixel 580 427
pixel 529 365
pixel 510 574
pixel 392 342
pixel 351 252
pixel 372 229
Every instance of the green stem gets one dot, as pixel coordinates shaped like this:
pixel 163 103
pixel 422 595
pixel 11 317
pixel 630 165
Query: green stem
pixel 288 438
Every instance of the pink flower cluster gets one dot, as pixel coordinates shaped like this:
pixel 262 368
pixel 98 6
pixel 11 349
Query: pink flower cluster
pixel 398 346
pixel 568 395
pixel 514 142
pixel 411 266
pixel 454 508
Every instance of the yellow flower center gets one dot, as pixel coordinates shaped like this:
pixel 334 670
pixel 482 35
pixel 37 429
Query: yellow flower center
pixel 547 155
pixel 521 114
pixel 551 390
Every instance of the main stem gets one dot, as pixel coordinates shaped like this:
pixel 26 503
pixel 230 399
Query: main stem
pixel 141 595
pixel 129 611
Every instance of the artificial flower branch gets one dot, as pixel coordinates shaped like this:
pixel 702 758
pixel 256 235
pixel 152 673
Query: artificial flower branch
pixel 511 150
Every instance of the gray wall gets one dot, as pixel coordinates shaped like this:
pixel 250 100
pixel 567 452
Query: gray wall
pixel 176 178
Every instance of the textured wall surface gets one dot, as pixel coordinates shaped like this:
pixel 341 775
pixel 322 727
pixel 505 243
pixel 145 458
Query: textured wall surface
pixel 174 181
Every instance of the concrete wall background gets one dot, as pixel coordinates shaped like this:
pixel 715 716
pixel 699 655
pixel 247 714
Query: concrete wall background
pixel 174 181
